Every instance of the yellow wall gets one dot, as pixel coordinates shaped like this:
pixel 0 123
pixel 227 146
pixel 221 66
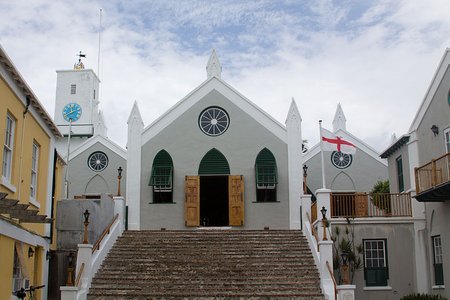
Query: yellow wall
pixel 7 261
pixel 31 131
pixel 27 130
pixel 6 266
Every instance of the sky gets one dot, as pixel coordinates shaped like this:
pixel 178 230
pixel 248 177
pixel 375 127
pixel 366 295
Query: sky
pixel 374 57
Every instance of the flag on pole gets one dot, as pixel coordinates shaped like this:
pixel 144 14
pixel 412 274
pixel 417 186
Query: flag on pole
pixel 331 142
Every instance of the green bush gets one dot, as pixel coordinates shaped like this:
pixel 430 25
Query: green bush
pixel 423 297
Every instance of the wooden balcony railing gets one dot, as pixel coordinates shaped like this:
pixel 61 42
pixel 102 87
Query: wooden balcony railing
pixel 433 173
pixel 362 205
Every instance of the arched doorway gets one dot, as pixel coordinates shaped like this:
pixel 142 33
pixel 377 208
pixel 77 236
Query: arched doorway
pixel 214 171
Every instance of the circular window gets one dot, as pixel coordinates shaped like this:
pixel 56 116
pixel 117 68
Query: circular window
pixel 98 161
pixel 341 160
pixel 213 121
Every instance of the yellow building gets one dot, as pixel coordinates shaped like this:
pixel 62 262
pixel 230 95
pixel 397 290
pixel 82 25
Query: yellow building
pixel 31 173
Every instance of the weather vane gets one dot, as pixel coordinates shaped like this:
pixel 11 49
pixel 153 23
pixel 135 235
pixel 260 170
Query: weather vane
pixel 79 65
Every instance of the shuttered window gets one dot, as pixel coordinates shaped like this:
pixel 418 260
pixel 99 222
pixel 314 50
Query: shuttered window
pixel 161 178
pixel 266 176
pixel 266 169
pixel 376 271
pixel 214 163
pixel 437 255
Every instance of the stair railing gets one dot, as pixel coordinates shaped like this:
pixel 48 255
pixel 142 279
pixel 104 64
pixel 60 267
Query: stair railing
pixel 105 232
pixel 334 279
pixel 313 231
pixel 80 272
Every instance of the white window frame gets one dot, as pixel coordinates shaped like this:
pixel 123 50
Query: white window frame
pixel 375 261
pixel 34 171
pixel 8 148
pixel 447 140
pixel 437 249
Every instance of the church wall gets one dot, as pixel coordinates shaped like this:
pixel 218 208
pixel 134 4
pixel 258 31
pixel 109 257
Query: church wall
pixel 240 144
pixel 80 174
pixel 360 176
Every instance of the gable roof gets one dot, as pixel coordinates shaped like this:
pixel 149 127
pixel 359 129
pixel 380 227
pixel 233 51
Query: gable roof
pixel 397 144
pixel 227 91
pixel 102 140
pixel 22 87
pixel 432 88
pixel 360 145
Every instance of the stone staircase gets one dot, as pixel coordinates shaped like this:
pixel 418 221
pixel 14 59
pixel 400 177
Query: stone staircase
pixel 207 264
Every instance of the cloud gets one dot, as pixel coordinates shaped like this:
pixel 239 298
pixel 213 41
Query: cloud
pixel 375 58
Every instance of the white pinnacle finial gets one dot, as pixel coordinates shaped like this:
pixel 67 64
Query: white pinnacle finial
pixel 213 68
pixel 339 121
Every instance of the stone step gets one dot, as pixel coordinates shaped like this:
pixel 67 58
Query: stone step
pixel 208 264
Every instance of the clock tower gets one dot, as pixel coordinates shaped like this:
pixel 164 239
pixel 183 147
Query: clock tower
pixel 77 102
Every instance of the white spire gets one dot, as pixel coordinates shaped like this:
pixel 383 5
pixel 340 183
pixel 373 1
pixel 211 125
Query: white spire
pixel 213 68
pixel 339 121
pixel 393 138
pixel 99 126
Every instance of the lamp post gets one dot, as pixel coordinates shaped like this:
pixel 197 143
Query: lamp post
pixel 305 174
pixel 70 270
pixel 119 177
pixel 324 222
pixel 86 223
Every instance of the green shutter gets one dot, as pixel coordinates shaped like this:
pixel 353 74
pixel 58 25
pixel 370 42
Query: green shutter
pixel 162 169
pixel 266 168
pixel 214 163
pixel 438 274
pixel 376 276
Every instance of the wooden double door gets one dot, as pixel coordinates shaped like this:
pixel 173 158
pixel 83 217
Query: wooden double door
pixel 214 200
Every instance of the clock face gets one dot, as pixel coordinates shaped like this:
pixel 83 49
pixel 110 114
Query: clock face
pixel 213 121
pixel 72 112
pixel 341 160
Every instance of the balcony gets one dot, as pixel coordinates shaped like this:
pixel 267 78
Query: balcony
pixel 363 205
pixel 432 180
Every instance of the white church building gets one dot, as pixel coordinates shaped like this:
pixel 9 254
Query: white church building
pixel 214 159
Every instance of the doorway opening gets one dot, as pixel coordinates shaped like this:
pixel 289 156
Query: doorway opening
pixel 214 201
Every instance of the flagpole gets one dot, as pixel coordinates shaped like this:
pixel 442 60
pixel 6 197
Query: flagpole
pixel 321 156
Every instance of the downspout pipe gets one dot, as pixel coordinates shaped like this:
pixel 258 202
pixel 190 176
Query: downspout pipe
pixel 27 105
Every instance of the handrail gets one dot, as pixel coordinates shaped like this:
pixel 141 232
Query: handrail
pixel 334 280
pixel 314 232
pixel 105 232
pixel 80 272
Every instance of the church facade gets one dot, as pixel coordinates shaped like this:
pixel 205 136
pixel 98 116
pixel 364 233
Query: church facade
pixel 214 159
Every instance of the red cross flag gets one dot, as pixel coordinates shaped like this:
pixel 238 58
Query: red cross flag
pixel 331 142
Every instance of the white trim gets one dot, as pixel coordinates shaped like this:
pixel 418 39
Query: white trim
pixel 102 140
pixel 377 288
pixel 201 91
pixel 431 91
pixel 375 220
pixel 4 182
pixel 445 132
pixel 438 287
pixel 19 234
pixel 34 202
